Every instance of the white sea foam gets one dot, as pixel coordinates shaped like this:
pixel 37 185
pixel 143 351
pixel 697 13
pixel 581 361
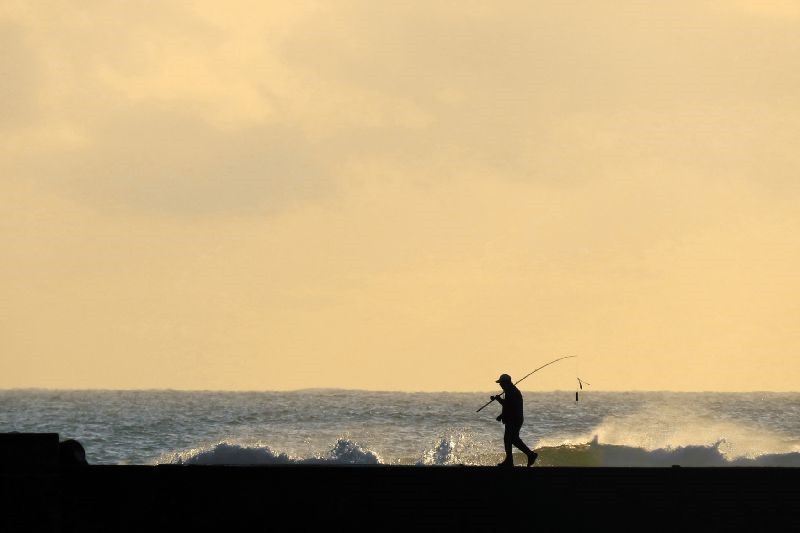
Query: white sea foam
pixel 595 453
pixel 674 430
pixel 669 436
pixel 442 453
pixel 452 450
pixel 226 453
pixel 344 452
pixel 653 438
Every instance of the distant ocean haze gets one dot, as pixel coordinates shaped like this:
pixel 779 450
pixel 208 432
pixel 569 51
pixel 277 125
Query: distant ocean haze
pixel 359 427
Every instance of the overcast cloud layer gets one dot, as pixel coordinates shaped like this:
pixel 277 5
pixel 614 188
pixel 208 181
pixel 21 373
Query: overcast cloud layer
pixel 399 195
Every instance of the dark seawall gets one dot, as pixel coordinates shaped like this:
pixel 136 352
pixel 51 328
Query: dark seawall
pixel 52 497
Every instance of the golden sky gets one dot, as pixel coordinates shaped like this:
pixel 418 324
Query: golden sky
pixel 399 195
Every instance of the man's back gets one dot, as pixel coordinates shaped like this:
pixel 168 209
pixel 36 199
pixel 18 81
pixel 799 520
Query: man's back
pixel 512 406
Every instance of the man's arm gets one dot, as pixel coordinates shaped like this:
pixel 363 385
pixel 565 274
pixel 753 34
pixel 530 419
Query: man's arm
pixel 502 402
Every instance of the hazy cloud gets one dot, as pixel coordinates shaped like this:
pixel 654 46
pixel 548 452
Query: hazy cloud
pixel 302 189
pixel 155 159
pixel 18 78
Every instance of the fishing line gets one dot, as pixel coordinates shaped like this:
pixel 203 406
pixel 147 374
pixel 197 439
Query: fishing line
pixel 581 383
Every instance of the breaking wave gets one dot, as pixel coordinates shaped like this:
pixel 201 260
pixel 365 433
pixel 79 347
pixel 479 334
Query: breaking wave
pixel 344 452
pixel 458 450
pixel 596 454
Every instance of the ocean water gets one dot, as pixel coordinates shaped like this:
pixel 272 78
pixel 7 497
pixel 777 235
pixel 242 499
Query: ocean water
pixel 360 427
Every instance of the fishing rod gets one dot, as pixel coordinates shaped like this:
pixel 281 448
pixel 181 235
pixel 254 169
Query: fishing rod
pixel 525 376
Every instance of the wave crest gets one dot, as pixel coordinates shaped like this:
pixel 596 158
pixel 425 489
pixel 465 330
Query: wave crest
pixel 596 454
pixel 458 449
pixel 344 452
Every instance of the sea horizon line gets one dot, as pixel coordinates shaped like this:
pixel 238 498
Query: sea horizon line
pixel 385 391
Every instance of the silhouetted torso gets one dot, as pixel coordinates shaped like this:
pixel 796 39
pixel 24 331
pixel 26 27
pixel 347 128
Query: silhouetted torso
pixel 512 406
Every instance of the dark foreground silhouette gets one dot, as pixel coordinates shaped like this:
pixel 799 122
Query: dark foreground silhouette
pixel 38 494
pixel 71 453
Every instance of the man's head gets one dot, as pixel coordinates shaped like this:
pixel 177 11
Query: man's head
pixel 504 381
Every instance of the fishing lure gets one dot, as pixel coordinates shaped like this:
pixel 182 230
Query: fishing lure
pixel 580 385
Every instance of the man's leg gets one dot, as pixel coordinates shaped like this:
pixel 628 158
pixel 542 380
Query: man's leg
pixel 521 445
pixel 508 439
pixel 517 441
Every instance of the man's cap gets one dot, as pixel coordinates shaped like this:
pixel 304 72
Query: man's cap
pixel 504 377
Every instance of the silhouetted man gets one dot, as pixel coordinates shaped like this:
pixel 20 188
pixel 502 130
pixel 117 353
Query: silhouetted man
pixel 512 418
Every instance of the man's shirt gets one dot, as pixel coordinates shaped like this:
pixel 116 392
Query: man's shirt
pixel 512 406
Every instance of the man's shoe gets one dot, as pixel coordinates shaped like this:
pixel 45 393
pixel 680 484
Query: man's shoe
pixel 532 458
pixel 506 463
